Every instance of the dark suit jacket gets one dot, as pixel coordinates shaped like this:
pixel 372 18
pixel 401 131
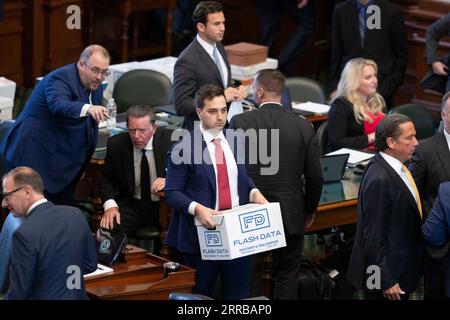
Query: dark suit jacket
pixel 343 130
pixel 49 135
pixel 118 173
pixel 430 167
pixel 193 179
pixel 298 155
pixel 388 231
pixel 387 46
pixel 49 241
pixel 195 68
pixel 436 227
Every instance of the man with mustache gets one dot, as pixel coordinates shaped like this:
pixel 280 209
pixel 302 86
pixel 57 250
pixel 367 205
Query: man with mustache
pixel 56 133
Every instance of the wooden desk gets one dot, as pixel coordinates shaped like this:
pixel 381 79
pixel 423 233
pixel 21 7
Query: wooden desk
pixel 140 277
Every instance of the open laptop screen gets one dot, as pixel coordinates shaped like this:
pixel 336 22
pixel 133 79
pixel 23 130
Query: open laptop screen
pixel 333 167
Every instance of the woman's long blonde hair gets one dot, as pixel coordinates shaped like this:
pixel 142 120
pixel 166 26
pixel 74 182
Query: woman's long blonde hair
pixel 348 87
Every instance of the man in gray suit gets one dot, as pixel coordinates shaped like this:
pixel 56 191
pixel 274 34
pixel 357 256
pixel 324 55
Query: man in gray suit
pixel 203 62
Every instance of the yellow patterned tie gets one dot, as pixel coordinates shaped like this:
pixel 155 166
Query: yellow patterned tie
pixel 413 184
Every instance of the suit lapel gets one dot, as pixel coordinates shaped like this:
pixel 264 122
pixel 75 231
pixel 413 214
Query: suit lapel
pixel 400 184
pixel 128 164
pixel 443 153
pixel 201 155
pixel 204 56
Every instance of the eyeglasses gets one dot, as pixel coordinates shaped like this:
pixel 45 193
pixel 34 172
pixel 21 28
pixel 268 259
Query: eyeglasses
pixel 96 71
pixel 7 194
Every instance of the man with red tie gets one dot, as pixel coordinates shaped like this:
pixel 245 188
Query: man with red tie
pixel 203 177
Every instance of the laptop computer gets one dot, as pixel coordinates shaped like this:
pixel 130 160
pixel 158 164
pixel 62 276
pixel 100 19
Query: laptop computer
pixel 109 245
pixel 333 167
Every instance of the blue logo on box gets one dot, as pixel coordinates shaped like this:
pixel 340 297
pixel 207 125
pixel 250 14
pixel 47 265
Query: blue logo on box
pixel 255 220
pixel 213 239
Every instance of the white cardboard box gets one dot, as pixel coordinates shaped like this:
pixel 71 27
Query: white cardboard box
pixel 6 107
pixel 242 231
pixel 7 88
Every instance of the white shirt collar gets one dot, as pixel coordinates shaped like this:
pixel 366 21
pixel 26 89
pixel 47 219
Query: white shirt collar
pixel 206 45
pixel 268 102
pixel 209 136
pixel 34 205
pixel 447 137
pixel 393 162
pixel 148 146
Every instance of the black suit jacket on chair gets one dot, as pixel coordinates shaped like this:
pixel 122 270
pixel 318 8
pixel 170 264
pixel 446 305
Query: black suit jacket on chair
pixel 118 173
pixel 193 69
pixel 387 46
pixel 298 158
pixel 388 233
pixel 430 167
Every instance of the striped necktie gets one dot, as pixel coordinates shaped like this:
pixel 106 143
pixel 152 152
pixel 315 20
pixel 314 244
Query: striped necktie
pixel 219 66
pixel 362 24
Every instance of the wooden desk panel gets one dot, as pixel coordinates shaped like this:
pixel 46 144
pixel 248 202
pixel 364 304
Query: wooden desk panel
pixel 140 278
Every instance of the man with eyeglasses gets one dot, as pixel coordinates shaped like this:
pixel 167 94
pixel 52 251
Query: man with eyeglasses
pixel 52 248
pixel 56 133
pixel 135 167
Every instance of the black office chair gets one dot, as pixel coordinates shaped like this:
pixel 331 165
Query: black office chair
pixel 305 89
pixel 142 86
pixel 322 137
pixel 420 116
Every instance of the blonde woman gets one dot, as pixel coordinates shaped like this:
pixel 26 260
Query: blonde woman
pixel 357 108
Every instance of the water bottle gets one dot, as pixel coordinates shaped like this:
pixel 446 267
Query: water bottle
pixel 112 111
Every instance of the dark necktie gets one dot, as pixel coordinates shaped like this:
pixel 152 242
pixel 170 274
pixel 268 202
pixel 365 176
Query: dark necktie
pixel 222 177
pixel 145 178
pixel 362 24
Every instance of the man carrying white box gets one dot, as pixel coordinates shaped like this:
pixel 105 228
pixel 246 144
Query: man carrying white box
pixel 203 177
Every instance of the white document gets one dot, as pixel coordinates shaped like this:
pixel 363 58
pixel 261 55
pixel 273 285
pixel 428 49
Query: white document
pixel 312 107
pixel 101 269
pixel 235 108
pixel 355 156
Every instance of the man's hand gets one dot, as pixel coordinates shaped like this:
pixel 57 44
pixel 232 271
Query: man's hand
pixel 205 215
pixel 236 94
pixel 440 68
pixel 259 198
pixel 158 185
pixel 394 292
pixel 99 113
pixel 301 3
pixel 107 221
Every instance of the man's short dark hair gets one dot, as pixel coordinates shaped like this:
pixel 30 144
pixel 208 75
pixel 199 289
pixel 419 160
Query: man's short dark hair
pixel 207 92
pixel 204 8
pixel 140 111
pixel 271 80
pixel 444 101
pixel 389 127
pixel 25 176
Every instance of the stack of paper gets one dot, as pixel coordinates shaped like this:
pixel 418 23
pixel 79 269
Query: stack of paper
pixel 355 156
pixel 312 107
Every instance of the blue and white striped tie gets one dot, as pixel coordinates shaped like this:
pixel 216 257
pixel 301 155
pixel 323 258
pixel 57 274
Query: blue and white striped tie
pixel 362 24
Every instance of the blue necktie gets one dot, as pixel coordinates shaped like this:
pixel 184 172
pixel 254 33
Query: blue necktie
pixel 217 62
pixel 362 24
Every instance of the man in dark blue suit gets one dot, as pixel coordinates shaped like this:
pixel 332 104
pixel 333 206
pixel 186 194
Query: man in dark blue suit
pixel 52 248
pixel 205 175
pixel 56 133
pixel 435 231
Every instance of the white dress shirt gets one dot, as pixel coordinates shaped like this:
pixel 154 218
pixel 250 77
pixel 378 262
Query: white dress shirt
pixel 447 137
pixel 231 169
pixel 397 166
pixel 209 48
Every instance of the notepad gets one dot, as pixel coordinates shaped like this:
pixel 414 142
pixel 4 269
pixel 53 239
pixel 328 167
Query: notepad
pixel 101 269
